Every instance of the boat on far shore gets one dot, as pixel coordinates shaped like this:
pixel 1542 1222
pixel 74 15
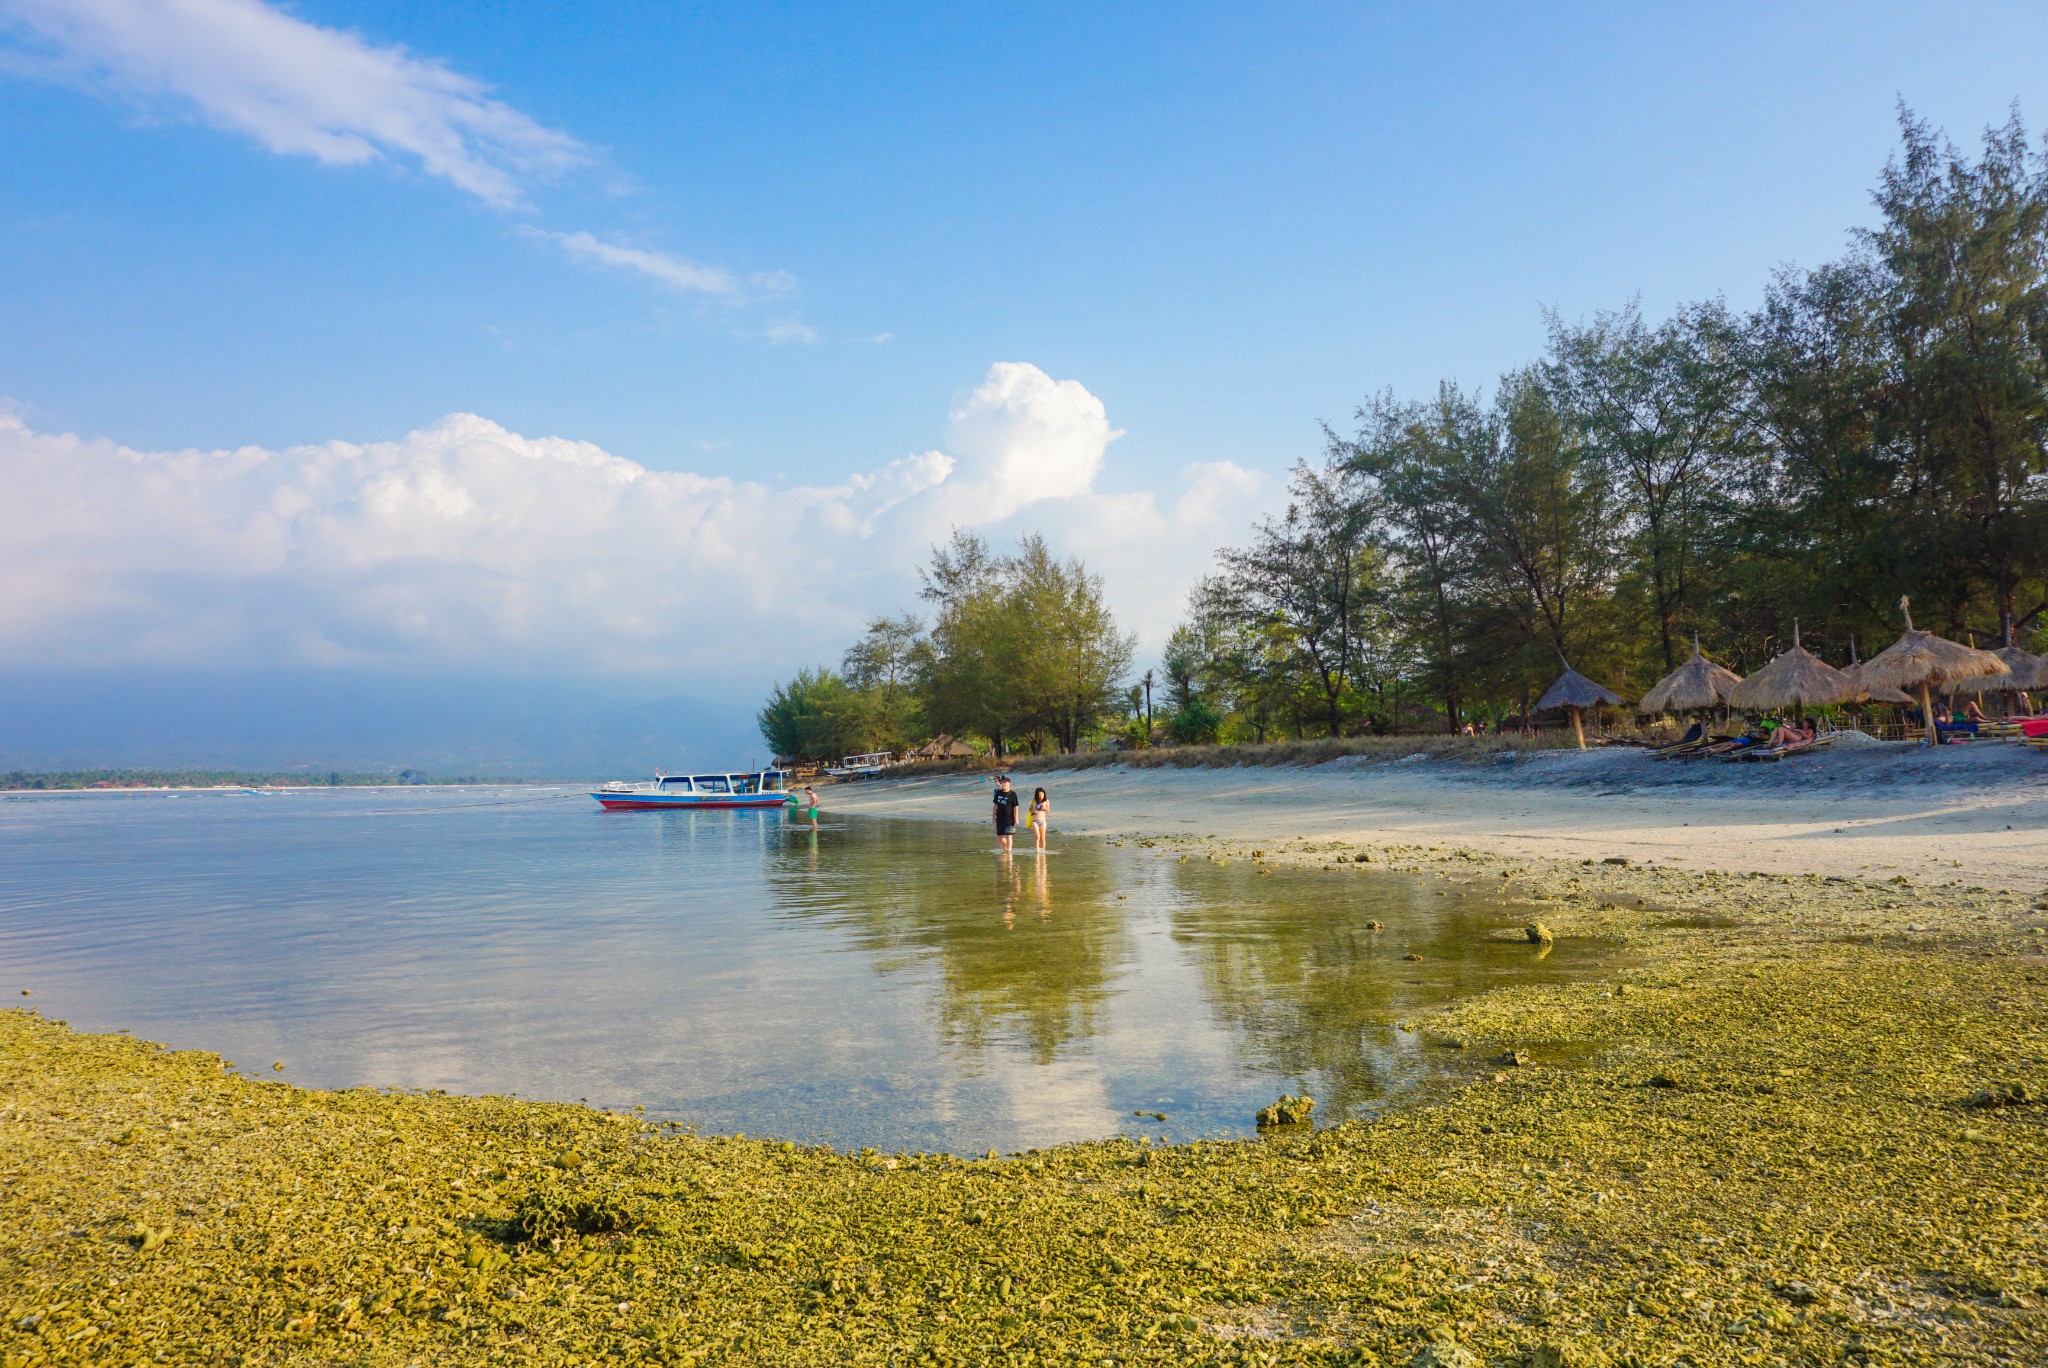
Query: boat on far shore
pixel 863 766
pixel 670 792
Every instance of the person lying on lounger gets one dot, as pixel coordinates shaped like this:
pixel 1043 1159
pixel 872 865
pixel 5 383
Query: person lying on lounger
pixel 1782 735
pixel 1970 712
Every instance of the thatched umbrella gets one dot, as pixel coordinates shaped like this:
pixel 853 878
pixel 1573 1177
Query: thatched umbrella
pixel 1795 679
pixel 1922 661
pixel 1695 686
pixel 1864 690
pixel 1573 690
pixel 2028 671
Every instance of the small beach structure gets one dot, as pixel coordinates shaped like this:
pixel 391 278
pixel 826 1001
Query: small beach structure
pixel 1797 679
pixel 1922 662
pixel 1865 691
pixel 943 747
pixel 2028 671
pixel 1699 685
pixel 1577 693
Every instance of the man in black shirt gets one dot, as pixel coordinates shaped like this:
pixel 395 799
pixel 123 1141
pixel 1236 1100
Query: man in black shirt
pixel 1006 811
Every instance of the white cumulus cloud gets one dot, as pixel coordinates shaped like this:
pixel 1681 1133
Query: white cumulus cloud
pixel 463 544
pixel 300 89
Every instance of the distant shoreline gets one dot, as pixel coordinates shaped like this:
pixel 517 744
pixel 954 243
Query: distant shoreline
pixel 286 788
pixel 1979 813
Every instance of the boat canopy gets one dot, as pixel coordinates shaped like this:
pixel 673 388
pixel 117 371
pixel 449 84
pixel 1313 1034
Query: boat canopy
pixel 766 781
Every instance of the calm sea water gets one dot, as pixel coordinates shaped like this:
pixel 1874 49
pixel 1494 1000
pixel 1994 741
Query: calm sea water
pixel 879 983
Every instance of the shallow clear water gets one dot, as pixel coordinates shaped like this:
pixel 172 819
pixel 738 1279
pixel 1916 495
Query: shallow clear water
pixel 880 983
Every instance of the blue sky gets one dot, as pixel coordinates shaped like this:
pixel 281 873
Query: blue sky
pixel 784 245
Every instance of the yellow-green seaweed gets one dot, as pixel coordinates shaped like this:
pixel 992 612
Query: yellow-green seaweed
pixel 1822 1183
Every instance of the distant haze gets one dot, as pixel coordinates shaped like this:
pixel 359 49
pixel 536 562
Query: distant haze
pixel 317 721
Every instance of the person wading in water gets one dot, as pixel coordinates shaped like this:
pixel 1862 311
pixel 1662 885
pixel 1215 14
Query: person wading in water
pixel 1006 811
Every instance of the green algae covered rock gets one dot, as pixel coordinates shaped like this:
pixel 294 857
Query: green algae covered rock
pixel 2001 1095
pixel 1559 1356
pixel 1444 1353
pixel 553 1209
pixel 1288 1111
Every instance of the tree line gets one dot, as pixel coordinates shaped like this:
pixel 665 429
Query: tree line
pixel 1020 652
pixel 1877 427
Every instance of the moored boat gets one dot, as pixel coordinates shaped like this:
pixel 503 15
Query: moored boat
pixel 861 766
pixel 689 792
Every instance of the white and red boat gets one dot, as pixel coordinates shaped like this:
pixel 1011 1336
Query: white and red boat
pixel 689 792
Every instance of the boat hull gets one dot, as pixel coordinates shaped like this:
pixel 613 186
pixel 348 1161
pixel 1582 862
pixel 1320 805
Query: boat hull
pixel 685 802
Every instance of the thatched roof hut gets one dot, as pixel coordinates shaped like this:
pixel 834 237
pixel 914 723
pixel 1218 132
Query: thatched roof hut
pixel 942 747
pixel 1695 686
pixel 1577 693
pixel 1796 678
pixel 1867 692
pixel 1921 661
pixel 2028 671
pixel 1574 690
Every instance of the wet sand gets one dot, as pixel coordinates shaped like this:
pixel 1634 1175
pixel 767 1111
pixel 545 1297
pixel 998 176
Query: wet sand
pixel 1973 813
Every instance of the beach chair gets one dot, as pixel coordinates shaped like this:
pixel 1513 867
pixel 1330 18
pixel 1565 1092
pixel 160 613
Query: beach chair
pixel 1695 736
pixel 1790 748
pixel 1725 748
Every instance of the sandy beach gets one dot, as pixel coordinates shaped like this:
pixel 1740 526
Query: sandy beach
pixel 1975 813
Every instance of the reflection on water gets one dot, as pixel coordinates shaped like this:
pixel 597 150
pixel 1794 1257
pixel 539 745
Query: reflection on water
pixel 878 983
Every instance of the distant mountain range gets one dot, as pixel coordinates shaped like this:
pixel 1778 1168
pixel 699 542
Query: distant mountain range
pixel 312 721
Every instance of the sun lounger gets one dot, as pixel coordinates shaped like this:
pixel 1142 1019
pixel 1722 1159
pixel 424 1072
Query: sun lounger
pixel 1695 735
pixel 2032 727
pixel 1789 748
pixel 1691 741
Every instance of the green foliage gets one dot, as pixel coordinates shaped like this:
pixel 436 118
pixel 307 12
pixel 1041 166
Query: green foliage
pixel 1311 578
pixel 1196 724
pixel 1022 650
pixel 1879 426
pixel 880 671
pixel 814 716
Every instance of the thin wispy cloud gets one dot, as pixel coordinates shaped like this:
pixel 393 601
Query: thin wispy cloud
pixel 678 273
pixel 303 90
pixel 297 88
